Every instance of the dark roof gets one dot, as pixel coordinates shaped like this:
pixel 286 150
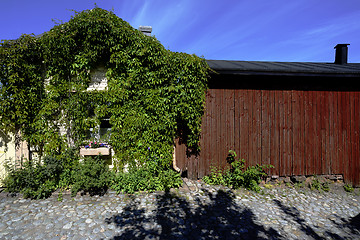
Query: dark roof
pixel 285 68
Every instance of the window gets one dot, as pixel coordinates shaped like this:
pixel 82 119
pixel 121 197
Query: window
pixel 101 132
pixel 105 129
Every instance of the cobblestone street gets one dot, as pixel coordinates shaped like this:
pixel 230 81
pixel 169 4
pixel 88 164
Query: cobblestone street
pixel 196 211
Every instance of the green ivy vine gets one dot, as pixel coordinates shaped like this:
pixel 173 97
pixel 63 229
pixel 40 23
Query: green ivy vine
pixel 153 95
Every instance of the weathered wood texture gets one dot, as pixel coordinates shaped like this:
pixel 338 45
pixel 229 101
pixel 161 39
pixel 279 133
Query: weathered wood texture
pixel 299 132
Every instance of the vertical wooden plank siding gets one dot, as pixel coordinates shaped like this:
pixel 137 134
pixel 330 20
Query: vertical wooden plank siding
pixel 211 140
pixel 277 121
pixel 274 140
pixel 258 146
pixel 254 128
pixel 308 133
pixel 317 140
pixel 336 120
pixel 348 135
pixel 333 122
pixel 353 133
pixel 281 114
pixel 299 132
pixel 342 117
pixel 288 140
pixel 355 140
pixel 217 129
pixel 265 128
pixel 244 126
pixel 312 134
pixel 323 130
pixel 356 162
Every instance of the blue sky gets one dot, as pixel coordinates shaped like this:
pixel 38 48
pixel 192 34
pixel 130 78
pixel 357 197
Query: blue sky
pixel 252 30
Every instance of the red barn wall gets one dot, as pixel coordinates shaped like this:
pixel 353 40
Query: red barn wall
pixel 298 131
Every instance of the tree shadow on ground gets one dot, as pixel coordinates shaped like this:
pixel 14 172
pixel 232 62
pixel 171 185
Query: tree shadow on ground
pixel 215 216
pixel 351 225
pixel 355 223
pixel 295 215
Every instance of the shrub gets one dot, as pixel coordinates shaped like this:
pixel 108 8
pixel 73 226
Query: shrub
pixel 20 179
pixel 237 175
pixel 217 176
pixel 149 176
pixel 33 179
pixel 317 185
pixel 348 188
pixel 53 167
pixel 91 176
pixel 39 180
pixel 70 160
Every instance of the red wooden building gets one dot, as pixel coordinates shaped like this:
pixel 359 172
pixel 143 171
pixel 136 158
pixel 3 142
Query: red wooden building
pixel 303 118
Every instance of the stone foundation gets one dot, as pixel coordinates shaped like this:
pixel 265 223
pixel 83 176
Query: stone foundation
pixel 306 178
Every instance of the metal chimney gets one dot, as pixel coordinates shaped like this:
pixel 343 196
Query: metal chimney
pixel 146 30
pixel 341 53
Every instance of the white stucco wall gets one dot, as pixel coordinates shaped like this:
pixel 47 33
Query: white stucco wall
pixel 98 79
pixel 7 153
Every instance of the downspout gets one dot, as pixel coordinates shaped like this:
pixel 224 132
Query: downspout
pixel 176 168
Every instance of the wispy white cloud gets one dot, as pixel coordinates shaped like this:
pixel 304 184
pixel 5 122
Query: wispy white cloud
pixel 278 30
pixel 245 25
pixel 317 42
pixel 140 15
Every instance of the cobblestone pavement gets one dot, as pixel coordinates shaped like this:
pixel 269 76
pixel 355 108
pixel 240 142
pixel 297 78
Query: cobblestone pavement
pixel 196 211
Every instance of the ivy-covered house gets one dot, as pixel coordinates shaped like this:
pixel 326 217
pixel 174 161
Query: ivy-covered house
pixel 69 86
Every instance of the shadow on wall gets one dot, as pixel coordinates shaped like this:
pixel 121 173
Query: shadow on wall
pixel 175 218
pixel 5 139
pixel 7 153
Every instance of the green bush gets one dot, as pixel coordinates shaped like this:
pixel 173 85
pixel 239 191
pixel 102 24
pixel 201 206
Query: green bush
pixel 38 180
pixel 20 179
pixel 317 185
pixel 217 176
pixel 33 179
pixel 149 176
pixel 92 176
pixel 70 160
pixel 237 175
pixel 348 188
